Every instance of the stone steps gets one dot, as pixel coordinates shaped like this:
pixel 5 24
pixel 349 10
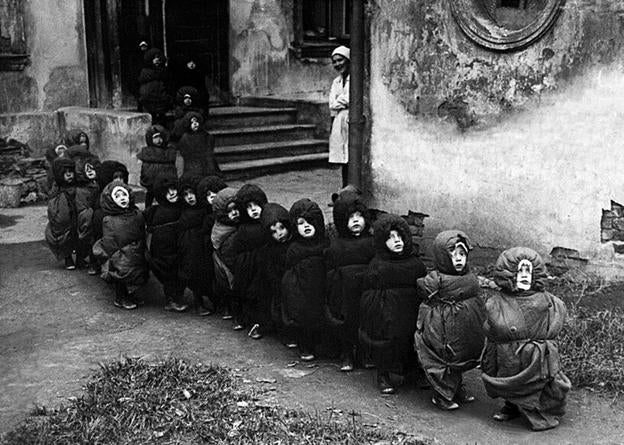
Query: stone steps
pixel 260 167
pixel 262 134
pixel 224 117
pixel 233 153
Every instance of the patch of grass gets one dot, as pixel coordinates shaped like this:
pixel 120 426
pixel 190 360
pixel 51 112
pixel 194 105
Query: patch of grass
pixel 175 402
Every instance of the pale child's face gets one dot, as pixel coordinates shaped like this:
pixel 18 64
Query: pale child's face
pixel 210 197
pixel 459 257
pixel 60 150
pixel 254 210
pixel 83 139
pixel 158 140
pixel 194 124
pixel 121 197
pixel 232 212
pixel 187 100
pixel 356 223
pixel 279 232
pixel 189 197
pixel 172 195
pixel 305 229
pixel 90 171
pixel 68 176
pixel 395 243
pixel 525 275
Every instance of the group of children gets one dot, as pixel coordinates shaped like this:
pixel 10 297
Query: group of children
pixel 275 270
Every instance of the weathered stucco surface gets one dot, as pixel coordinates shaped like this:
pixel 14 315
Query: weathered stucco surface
pixel 39 130
pixel 515 148
pixel 57 75
pixel 261 63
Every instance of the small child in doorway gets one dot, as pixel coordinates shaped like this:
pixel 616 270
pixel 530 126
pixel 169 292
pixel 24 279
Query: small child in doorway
pixel 157 158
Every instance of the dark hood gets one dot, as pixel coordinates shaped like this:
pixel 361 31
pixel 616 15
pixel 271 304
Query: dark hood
pixel 50 153
pixel 73 137
pixel 442 245
pixel 386 223
pixel 211 183
pixel 272 213
pixel 60 166
pixel 507 269
pixel 162 184
pixel 250 193
pixel 344 206
pixel 311 212
pixel 222 200
pixel 151 131
pixel 106 199
pixel 150 55
pixel 190 181
pixel 191 91
pixel 107 170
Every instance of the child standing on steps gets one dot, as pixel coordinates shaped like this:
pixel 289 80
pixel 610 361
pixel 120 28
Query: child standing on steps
pixel 303 283
pixel 157 158
pixel 389 304
pixel 521 362
pixel 162 240
pixel 346 259
pixel 121 250
pixel 449 336
pixel 196 147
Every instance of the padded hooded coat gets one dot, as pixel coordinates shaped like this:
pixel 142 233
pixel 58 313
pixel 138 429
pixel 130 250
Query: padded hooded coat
pixel 303 283
pixel 106 172
pixel 180 111
pixel 197 148
pixel 223 238
pixel 162 231
pixel 449 336
pixel 389 302
pixel 155 160
pixel 521 361
pixel 347 259
pixel 153 84
pixel 121 250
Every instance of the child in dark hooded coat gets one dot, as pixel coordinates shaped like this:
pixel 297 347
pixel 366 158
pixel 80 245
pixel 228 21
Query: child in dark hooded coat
pixel 75 137
pixel 187 99
pixel 107 172
pixel 449 336
pixel 303 283
pixel 162 240
pixel 65 217
pixel 51 154
pixel 154 85
pixel 389 303
pixel 346 260
pixel 521 362
pixel 121 250
pixel 196 147
pixel 157 158
pixel 193 265
pixel 250 239
pixel 223 237
pixel 276 223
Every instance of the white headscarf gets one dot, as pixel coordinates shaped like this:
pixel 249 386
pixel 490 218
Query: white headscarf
pixel 342 51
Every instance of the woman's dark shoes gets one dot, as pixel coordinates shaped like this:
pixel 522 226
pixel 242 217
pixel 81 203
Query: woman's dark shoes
pixel 384 383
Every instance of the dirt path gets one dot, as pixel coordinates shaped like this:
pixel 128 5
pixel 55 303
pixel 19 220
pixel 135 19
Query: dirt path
pixel 55 326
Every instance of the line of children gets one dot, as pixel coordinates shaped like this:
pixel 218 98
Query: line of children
pixel 274 270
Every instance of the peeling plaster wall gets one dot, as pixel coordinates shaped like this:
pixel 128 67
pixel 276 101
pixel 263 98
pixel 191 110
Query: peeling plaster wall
pixel 57 75
pixel 515 148
pixel 261 63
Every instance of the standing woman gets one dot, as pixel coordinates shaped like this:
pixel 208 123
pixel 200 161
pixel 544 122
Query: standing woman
pixel 339 110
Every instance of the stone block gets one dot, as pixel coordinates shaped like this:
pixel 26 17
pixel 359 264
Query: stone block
pixel 39 130
pixel 618 224
pixel 113 134
pixel 606 235
pixel 617 209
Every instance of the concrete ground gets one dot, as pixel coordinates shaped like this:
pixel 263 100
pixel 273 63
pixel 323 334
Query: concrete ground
pixel 57 325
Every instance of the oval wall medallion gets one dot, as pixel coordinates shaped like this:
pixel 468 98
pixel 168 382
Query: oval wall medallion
pixel 505 25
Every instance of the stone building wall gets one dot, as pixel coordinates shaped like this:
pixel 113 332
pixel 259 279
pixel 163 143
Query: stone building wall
pixel 516 147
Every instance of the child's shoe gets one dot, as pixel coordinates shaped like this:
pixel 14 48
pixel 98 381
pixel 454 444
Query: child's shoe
pixel 347 363
pixel 254 332
pixel 226 315
pixel 93 269
pixel 237 326
pixel 306 356
pixel 137 300
pixel 69 263
pixel 81 263
pixel 124 303
pixel 443 404
pixel 384 383
pixel 463 396
pixel 203 311
pixel 507 412
pixel 175 307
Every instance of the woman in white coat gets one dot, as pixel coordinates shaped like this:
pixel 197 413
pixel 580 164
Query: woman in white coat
pixel 339 110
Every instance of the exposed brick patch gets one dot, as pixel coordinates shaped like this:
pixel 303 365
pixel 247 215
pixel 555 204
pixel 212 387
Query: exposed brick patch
pixel 612 223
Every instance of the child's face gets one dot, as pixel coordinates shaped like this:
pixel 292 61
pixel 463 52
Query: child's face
pixel 68 176
pixel 356 223
pixel 254 210
pixel 157 61
pixel 119 176
pixel 525 275
pixel 158 140
pixel 194 124
pixel 60 150
pixel 83 139
pixel 172 195
pixel 232 212
pixel 191 65
pixel 395 243
pixel 89 171
pixel 187 100
pixel 459 257
pixel 121 197
pixel 279 232
pixel 305 229
pixel 210 197
pixel 189 197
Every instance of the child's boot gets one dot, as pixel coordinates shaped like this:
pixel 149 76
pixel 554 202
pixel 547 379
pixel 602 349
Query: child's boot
pixel 442 403
pixel 69 263
pixel 384 383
